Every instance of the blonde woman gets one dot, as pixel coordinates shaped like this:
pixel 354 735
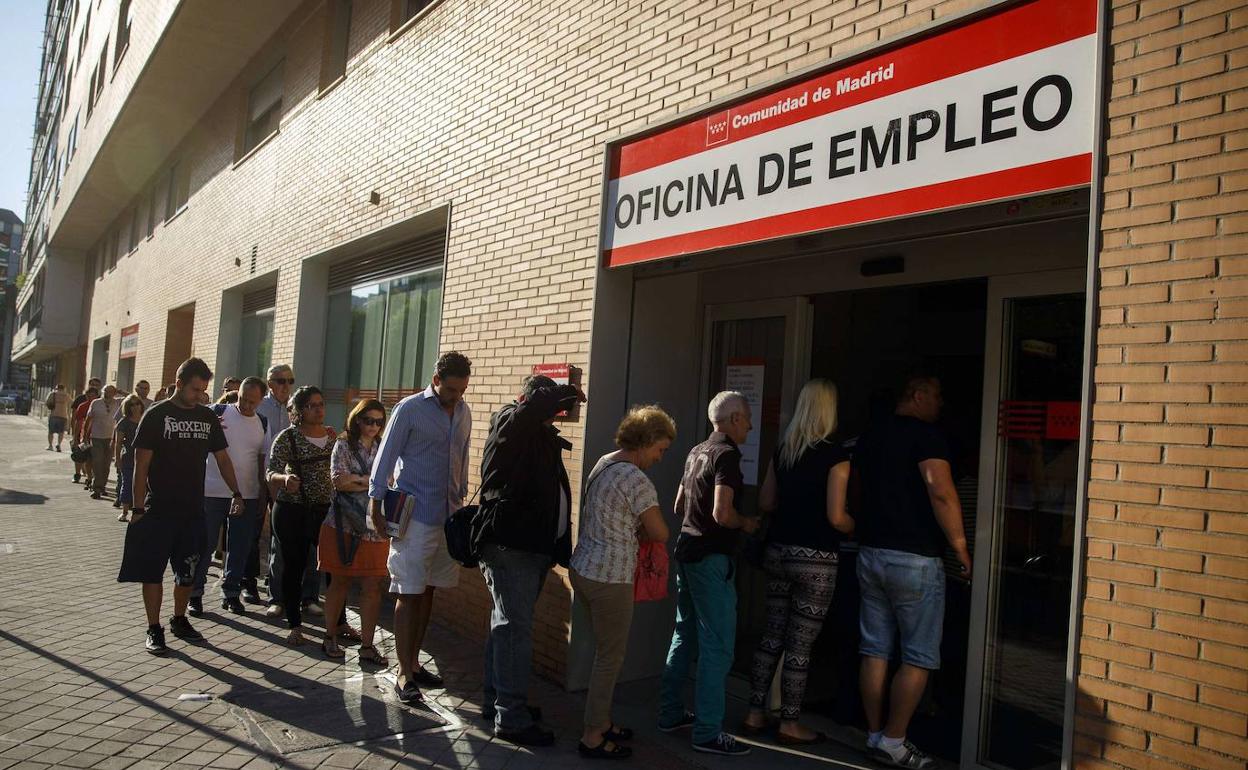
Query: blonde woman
pixel 620 508
pixel 805 490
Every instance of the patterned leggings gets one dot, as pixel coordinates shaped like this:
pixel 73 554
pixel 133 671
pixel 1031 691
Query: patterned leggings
pixel 800 582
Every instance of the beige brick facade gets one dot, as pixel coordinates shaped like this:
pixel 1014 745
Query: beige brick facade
pixel 502 110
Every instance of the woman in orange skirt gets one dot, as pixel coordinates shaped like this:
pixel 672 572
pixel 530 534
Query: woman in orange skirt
pixel 348 549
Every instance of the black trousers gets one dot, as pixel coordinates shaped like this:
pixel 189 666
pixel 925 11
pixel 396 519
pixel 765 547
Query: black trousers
pixel 296 528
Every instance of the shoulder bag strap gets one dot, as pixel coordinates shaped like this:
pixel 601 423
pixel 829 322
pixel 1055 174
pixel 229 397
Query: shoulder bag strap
pixel 297 464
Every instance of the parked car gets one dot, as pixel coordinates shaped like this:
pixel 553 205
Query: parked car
pixel 14 401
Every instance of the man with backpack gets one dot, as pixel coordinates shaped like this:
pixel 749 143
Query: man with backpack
pixel 526 504
pixel 247 431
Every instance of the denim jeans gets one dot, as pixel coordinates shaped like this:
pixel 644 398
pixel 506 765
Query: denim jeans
pixel 903 596
pixel 514 579
pixel 277 564
pixel 706 626
pixel 238 538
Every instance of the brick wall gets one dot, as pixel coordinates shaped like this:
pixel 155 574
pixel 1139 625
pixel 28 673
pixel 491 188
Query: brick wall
pixel 1164 653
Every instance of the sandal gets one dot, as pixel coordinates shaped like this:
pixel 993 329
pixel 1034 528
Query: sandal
pixel 332 650
pixel 617 734
pixel 295 638
pixel 789 740
pixel 602 752
pixel 370 654
pixel 350 634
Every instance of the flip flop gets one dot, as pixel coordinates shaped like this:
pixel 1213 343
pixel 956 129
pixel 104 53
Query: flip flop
pixel 617 734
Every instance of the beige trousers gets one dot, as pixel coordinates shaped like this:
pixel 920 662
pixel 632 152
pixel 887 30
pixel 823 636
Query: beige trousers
pixel 610 610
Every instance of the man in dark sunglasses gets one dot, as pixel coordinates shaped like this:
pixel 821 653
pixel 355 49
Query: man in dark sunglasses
pixel 281 381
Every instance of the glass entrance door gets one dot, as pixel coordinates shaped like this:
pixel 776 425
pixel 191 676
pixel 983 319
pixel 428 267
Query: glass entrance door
pixel 762 350
pixel 1023 577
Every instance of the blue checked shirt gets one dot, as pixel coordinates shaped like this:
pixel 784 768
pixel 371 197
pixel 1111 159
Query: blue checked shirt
pixel 432 450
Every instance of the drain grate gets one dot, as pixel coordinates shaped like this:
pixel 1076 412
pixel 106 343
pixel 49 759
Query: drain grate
pixel 317 716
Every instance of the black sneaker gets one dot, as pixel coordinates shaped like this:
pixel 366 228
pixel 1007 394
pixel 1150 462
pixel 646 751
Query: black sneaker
pixel 156 640
pixel 408 693
pixel 195 606
pixel 77 477
pixel 911 757
pixel 232 604
pixel 252 596
pixel 685 721
pixel 723 744
pixel 533 735
pixel 181 628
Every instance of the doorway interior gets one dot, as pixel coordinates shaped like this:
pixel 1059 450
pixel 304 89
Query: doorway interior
pixel 1009 353
pixel 178 335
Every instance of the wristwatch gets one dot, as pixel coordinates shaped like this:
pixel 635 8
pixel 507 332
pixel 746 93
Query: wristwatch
pixel 238 495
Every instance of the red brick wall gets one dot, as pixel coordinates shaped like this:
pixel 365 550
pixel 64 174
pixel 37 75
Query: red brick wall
pixel 1164 654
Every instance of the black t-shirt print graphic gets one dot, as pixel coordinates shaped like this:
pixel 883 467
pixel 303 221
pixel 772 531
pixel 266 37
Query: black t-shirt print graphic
pixel 181 440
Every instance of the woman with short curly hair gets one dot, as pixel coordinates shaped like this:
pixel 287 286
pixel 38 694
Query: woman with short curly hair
pixel 620 507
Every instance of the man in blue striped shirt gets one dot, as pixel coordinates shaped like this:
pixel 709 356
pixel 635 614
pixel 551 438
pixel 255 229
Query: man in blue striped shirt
pixel 427 436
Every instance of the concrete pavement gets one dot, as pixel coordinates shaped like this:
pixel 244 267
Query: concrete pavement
pixel 78 690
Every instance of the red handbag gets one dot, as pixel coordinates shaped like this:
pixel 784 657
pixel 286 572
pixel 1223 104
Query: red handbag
pixel 650 575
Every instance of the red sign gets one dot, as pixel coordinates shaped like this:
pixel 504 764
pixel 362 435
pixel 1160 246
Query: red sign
pixel 998 107
pixel 129 347
pixel 1039 420
pixel 562 374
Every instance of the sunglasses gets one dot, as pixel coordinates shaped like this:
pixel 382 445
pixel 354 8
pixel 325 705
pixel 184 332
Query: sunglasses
pixel 375 421
pixel 283 381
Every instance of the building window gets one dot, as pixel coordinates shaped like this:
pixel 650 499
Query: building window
pixel 337 41
pixel 256 344
pixel 123 31
pixel 82 37
pixel 132 230
pixel 403 11
pixel 152 199
pixel 264 109
pixel 101 72
pixel 381 341
pixel 177 190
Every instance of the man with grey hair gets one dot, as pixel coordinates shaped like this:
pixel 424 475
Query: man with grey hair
pixel 281 381
pixel 706 597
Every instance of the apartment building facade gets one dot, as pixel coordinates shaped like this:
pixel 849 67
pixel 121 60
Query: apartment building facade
pixel 625 189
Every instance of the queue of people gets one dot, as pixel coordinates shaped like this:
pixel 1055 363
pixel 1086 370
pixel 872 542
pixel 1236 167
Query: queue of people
pixel 188 470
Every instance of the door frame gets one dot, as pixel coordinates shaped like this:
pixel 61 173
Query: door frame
pixel 1002 289
pixel 798 316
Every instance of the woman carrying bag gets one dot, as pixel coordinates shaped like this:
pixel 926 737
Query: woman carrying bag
pixel 805 490
pixel 619 510
pixel 299 470
pixel 348 549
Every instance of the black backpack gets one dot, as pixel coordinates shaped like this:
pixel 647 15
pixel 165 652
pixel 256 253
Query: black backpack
pixel 463 532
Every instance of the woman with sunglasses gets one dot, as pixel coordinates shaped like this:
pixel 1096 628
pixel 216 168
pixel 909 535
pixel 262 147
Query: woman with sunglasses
pixel 348 549
pixel 299 470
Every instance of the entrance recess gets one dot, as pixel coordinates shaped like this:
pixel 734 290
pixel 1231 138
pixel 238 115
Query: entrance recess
pixel 761 349
pixel 1022 582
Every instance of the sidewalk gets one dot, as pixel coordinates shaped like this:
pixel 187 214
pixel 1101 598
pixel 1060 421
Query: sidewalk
pixel 77 689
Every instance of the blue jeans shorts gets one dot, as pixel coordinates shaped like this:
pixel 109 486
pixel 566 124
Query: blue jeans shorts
pixel 903 594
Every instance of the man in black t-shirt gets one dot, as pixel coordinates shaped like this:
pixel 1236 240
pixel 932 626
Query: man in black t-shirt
pixel 706 596
pixel 908 509
pixel 171 447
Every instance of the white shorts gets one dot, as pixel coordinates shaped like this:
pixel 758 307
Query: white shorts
pixel 420 560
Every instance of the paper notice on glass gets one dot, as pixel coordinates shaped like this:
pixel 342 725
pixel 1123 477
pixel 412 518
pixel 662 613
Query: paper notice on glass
pixel 746 376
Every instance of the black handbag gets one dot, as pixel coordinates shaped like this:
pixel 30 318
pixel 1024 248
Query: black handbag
pixel 462 533
pixel 80 453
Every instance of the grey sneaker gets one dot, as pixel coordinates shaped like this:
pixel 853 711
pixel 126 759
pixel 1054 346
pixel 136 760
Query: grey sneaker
pixel 911 758
pixel 724 745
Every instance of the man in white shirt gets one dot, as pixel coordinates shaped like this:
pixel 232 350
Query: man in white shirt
pixel 247 434
pixel 99 427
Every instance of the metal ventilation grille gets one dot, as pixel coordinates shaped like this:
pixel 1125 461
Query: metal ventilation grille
pixel 423 251
pixel 260 299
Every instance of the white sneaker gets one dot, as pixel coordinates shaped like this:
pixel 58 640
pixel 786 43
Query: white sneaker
pixel 314 609
pixel 274 611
